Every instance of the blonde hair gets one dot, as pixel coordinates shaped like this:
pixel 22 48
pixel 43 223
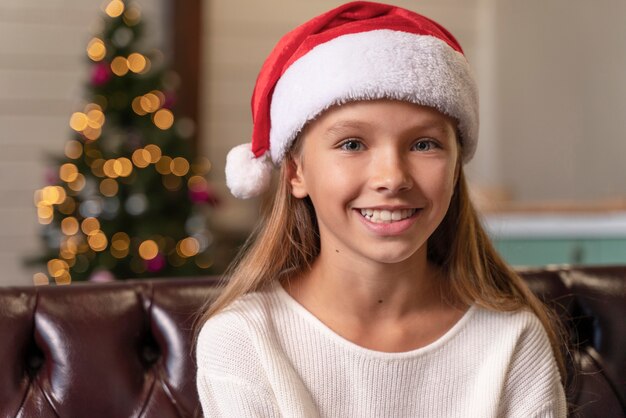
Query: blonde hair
pixel 286 242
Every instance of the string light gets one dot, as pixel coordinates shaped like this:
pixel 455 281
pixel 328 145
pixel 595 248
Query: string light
pixel 136 105
pixel 90 226
pixel 68 206
pixel 115 8
pixel 109 187
pixel 57 267
pixel 78 184
pixel 163 119
pixel 109 170
pixel 69 225
pixel 163 166
pixel 188 247
pixel 96 50
pixel 141 158
pixel 155 152
pixel 78 121
pixel 179 166
pixel 97 167
pixel 40 279
pixel 201 166
pixel 136 62
pixel 172 182
pixel 64 279
pixel 68 172
pixel 148 249
pixel 132 15
pixel 97 241
pixel 73 149
pixel 150 102
pixel 119 66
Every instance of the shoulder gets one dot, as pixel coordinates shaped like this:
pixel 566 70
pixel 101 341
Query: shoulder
pixel 229 340
pixel 515 326
pixel 531 379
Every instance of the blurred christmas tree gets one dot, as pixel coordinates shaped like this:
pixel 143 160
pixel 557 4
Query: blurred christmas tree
pixel 126 200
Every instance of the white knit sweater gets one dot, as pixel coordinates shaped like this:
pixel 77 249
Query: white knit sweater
pixel 267 356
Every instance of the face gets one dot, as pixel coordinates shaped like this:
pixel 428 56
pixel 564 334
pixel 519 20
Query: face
pixel 380 175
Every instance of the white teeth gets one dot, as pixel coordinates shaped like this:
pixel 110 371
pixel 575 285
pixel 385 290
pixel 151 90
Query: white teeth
pixel 387 216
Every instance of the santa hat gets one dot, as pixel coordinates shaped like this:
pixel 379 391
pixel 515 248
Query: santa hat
pixel 358 51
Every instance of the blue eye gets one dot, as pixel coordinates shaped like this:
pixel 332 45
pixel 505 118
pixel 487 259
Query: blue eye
pixel 351 145
pixel 425 145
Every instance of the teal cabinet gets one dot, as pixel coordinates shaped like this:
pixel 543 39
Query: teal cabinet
pixel 540 252
pixel 540 239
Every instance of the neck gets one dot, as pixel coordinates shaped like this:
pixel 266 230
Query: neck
pixel 377 291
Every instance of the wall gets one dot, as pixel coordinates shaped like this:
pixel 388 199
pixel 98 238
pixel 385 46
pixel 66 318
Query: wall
pixel 560 90
pixel 42 69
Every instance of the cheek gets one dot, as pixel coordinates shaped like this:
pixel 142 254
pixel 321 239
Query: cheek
pixel 438 182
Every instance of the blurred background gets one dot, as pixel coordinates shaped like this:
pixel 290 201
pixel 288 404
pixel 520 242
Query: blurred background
pixel 548 176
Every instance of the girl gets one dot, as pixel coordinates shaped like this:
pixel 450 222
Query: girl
pixel 370 289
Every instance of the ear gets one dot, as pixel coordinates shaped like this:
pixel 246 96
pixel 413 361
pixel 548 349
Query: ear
pixel 296 178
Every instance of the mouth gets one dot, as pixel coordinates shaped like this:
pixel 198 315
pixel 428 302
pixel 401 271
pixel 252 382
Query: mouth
pixel 384 216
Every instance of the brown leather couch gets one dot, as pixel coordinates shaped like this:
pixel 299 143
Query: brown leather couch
pixel 123 349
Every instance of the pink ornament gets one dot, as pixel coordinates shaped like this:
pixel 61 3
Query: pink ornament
pixel 51 175
pixel 203 195
pixel 170 100
pixel 156 264
pixel 100 74
pixel 101 276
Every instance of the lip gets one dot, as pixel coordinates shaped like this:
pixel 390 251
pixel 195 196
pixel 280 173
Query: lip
pixel 392 228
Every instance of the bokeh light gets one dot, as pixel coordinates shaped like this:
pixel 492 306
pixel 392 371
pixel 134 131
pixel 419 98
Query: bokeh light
pixel 163 166
pixel 68 206
pixel 136 105
pixel 68 172
pixel 40 279
pixel 188 247
pixel 96 50
pixel 119 66
pixel 57 267
pixel 109 187
pixel 163 119
pixel 179 166
pixel 141 158
pixel 136 62
pixel 150 102
pixel 148 249
pixel 114 8
pixel 97 167
pixel 78 121
pixel 132 15
pixel 155 152
pixel 69 225
pixel 172 182
pixel 90 226
pixel 97 241
pixel 78 184
pixel 73 149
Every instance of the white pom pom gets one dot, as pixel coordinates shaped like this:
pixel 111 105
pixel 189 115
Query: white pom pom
pixel 246 175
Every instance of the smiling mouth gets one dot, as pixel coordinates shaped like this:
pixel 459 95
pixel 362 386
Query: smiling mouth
pixel 387 216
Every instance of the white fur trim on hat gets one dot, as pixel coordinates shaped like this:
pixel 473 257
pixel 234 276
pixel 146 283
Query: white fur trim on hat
pixel 246 175
pixel 372 65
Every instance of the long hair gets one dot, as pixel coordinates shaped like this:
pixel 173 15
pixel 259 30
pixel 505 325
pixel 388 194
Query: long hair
pixel 286 242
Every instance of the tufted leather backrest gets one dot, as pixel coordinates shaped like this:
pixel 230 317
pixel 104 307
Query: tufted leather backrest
pixel 124 349
pixel 591 304
pixel 100 350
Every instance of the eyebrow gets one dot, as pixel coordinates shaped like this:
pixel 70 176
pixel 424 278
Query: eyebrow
pixel 343 125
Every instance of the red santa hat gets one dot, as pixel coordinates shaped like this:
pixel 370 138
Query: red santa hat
pixel 358 51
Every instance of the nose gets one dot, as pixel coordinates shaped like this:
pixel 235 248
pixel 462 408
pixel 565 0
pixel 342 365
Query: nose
pixel 390 173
